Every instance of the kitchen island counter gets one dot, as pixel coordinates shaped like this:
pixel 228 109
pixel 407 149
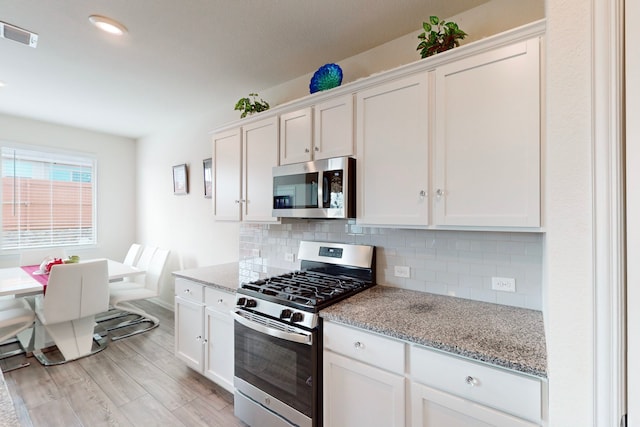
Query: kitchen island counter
pixel 222 276
pixel 501 335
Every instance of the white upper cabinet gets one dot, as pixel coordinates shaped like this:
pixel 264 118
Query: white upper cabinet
pixel 333 128
pixel 487 139
pixel 393 152
pixel 243 159
pixel 296 136
pixel 319 132
pixel 226 175
pixel 260 155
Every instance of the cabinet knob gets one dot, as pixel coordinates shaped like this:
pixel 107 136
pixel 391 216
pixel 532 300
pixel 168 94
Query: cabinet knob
pixel 306 150
pixel 220 301
pixel 422 193
pixel 204 342
pixel 471 381
pixel 199 338
pixel 316 148
pixel 187 291
pixel 358 345
pixel 439 192
pixel 237 201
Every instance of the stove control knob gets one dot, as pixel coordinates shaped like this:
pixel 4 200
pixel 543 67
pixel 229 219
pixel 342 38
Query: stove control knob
pixel 297 317
pixel 241 301
pixel 251 303
pixel 285 314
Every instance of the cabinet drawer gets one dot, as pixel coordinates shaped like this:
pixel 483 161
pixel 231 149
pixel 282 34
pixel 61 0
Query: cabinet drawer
pixel 366 347
pixel 219 300
pixel 510 392
pixel 189 290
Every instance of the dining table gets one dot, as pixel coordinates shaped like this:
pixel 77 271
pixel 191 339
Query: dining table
pixel 21 281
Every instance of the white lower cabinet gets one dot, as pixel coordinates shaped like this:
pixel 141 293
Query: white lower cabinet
pixel 189 328
pixel 450 391
pixel 218 332
pixel 373 380
pixel 363 379
pixel 204 330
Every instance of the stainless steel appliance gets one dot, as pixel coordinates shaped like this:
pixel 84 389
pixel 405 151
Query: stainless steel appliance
pixel 278 338
pixel 319 189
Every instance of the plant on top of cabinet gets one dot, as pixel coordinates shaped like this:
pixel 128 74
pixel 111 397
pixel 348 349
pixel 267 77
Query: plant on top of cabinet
pixel 439 36
pixel 251 105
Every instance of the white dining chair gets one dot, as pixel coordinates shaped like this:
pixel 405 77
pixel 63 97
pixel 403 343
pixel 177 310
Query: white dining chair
pixel 133 254
pixel 16 315
pixel 75 294
pixel 121 295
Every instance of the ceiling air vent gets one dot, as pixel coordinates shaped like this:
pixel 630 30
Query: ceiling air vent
pixel 11 32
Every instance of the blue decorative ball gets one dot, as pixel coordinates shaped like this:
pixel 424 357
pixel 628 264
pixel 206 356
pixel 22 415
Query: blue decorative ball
pixel 327 77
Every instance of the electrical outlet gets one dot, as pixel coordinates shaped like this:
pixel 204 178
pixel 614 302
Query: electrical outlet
pixel 289 257
pixel 504 284
pixel 402 271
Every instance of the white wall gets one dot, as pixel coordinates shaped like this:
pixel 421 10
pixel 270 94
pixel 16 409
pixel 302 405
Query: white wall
pixel 116 165
pixel 569 314
pixel 183 224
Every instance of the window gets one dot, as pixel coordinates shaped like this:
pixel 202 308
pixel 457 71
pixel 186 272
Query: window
pixel 48 199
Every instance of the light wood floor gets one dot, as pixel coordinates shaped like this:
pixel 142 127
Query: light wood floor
pixel 136 381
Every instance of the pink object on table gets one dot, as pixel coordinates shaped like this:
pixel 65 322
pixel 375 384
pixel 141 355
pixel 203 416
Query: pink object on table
pixel 42 278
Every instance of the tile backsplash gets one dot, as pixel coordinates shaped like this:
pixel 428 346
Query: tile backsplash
pixel 455 263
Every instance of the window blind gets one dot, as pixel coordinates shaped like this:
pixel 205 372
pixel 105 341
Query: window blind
pixel 48 199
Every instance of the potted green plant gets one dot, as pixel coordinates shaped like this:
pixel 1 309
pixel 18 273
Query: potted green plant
pixel 250 105
pixel 439 36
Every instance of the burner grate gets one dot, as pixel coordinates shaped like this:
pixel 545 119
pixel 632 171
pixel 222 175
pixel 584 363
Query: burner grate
pixel 306 287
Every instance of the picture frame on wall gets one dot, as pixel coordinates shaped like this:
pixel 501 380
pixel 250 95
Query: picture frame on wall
pixel 180 182
pixel 208 181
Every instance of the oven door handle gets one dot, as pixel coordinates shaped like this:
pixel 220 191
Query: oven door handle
pixel 298 337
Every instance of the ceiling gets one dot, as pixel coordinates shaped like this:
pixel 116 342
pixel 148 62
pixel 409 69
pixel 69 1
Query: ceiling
pixel 182 59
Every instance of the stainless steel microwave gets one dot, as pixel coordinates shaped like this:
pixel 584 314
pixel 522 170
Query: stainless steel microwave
pixel 317 189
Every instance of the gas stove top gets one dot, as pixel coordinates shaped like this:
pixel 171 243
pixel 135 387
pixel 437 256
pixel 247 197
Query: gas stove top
pixel 306 288
pixel 329 273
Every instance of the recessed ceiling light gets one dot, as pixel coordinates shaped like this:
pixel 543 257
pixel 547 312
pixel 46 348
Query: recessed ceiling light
pixel 108 25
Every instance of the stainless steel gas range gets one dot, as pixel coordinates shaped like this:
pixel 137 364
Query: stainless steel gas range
pixel 277 331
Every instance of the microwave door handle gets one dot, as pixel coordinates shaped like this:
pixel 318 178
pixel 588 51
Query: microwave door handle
pixel 325 190
pixel 305 338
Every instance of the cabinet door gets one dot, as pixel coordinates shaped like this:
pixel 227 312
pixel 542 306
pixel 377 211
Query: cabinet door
pixel 434 408
pixel 356 394
pixel 296 136
pixel 260 155
pixel 227 160
pixel 333 128
pixel 487 139
pixel 392 152
pixel 219 348
pixel 189 332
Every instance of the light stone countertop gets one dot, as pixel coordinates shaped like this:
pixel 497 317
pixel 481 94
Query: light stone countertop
pixel 223 276
pixel 501 335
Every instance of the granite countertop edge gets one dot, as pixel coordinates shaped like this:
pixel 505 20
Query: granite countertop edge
pixel 221 276
pixel 451 327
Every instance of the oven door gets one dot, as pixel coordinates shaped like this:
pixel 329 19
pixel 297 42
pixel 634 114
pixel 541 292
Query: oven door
pixel 276 366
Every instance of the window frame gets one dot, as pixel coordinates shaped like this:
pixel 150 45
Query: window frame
pixel 68 156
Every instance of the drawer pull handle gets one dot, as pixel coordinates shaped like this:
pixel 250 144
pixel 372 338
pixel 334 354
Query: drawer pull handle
pixel 358 345
pixel 471 381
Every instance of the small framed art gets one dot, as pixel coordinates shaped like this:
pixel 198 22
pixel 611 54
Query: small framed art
pixel 206 166
pixel 180 183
